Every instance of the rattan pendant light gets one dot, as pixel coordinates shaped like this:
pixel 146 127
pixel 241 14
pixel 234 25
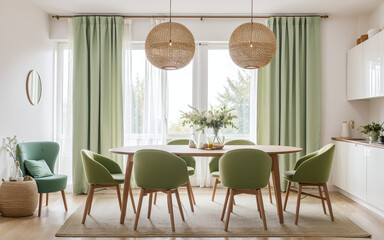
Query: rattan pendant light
pixel 252 45
pixel 170 45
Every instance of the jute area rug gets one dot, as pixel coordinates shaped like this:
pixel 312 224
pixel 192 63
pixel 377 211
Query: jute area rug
pixel 205 221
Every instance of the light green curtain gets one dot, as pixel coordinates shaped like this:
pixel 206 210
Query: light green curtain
pixel 97 90
pixel 289 89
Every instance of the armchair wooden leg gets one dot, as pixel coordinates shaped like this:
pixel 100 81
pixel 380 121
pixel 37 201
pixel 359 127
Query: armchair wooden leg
pixel 328 201
pixel 286 195
pixel 40 203
pixel 269 191
pixel 46 203
pixel 230 206
pixel 258 204
pixel 149 205
pixel 225 204
pixel 214 189
pixel 179 204
pixel 90 194
pixel 155 198
pixel 322 199
pixel 139 208
pixel 193 196
pixel 88 202
pixel 64 200
pixel 118 194
pixel 132 199
pixel 260 201
pixel 189 196
pixel 298 204
pixel 170 206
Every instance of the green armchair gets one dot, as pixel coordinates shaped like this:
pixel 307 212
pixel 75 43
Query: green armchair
pixel 47 151
pixel 191 166
pixel 312 170
pixel 159 171
pixel 214 166
pixel 244 171
pixel 101 171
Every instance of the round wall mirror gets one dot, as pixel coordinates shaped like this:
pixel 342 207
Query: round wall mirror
pixel 34 87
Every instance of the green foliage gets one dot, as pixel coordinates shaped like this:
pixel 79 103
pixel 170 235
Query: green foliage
pixel 372 128
pixel 9 145
pixel 137 98
pixel 236 96
pixel 215 119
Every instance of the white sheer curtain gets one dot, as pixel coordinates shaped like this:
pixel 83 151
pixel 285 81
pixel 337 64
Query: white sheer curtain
pixel 63 106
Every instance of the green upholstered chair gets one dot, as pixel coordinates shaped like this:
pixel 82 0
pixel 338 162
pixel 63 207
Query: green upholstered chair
pixel 47 151
pixel 312 170
pixel 159 171
pixel 191 166
pixel 101 172
pixel 214 166
pixel 244 171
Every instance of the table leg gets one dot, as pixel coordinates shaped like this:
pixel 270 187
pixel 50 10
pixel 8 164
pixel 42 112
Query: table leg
pixel 276 186
pixel 127 184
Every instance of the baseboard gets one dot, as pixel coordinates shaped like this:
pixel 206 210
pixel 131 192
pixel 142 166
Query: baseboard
pixel 361 202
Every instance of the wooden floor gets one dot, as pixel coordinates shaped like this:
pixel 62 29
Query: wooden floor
pixel 53 216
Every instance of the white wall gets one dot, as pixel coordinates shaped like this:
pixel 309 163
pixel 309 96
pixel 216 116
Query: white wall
pixel 24 45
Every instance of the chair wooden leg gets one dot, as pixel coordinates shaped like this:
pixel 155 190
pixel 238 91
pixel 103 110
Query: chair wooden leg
pixel 230 206
pixel 258 204
pixel 298 204
pixel 179 204
pixel 260 201
pixel 155 198
pixel 214 189
pixel 322 199
pixel 64 200
pixel 132 199
pixel 90 194
pixel 40 203
pixel 328 201
pixel 193 196
pixel 46 198
pixel 118 194
pixel 87 203
pixel 149 205
pixel 225 204
pixel 286 195
pixel 189 196
pixel 139 208
pixel 169 195
pixel 269 191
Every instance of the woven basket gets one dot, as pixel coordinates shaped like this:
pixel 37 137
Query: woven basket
pixel 18 199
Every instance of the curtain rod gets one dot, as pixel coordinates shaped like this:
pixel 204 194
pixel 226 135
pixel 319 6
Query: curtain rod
pixel 201 17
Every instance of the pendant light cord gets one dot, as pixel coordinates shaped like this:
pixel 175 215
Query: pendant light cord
pixel 252 11
pixel 170 24
pixel 251 26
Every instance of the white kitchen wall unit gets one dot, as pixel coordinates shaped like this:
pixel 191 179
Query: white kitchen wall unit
pixel 358 169
pixel 365 73
pixel 355 73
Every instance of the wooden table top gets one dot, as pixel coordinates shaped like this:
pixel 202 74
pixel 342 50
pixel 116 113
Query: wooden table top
pixel 184 150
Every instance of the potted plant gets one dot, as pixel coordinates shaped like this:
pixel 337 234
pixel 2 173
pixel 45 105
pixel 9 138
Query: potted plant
pixel 10 145
pixel 215 119
pixel 373 131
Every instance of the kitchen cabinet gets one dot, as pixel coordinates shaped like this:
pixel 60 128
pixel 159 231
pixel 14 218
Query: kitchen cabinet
pixel 375 177
pixel 355 73
pixel 339 173
pixel 356 171
pixel 365 69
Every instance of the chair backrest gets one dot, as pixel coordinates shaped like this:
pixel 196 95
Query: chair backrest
pixel 245 169
pixel 316 169
pixel 157 169
pixel 47 151
pixel 95 171
pixel 191 162
pixel 214 163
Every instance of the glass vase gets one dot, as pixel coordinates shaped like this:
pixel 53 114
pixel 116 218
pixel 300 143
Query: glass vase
pixel 202 140
pixel 373 137
pixel 13 171
pixel 217 138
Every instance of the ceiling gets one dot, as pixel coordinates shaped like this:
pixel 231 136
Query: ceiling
pixel 234 7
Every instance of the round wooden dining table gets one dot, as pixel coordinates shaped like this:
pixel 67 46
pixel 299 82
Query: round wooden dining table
pixel 183 150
